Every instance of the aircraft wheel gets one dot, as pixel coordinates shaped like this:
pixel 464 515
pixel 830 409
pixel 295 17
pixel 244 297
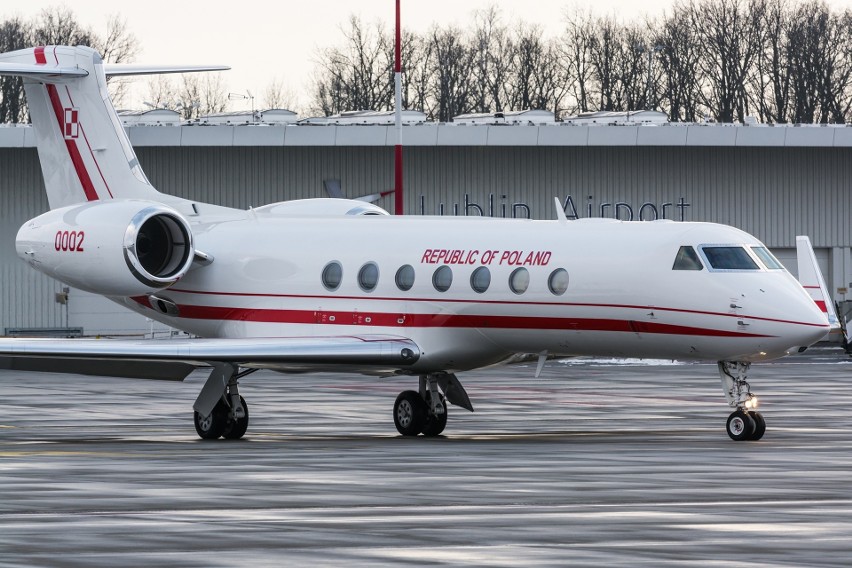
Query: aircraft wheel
pixel 741 426
pixel 434 424
pixel 409 413
pixel 236 429
pixel 759 426
pixel 213 426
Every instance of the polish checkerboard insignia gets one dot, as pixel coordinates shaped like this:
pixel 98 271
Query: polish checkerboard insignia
pixel 72 123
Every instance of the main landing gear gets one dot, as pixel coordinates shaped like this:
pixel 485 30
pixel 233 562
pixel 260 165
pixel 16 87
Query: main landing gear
pixel 425 412
pixel 744 423
pixel 220 411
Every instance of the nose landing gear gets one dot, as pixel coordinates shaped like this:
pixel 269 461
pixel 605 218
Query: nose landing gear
pixel 745 423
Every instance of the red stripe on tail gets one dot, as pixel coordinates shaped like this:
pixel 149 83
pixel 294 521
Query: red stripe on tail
pixel 73 151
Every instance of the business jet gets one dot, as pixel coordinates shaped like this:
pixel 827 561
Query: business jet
pixel 313 285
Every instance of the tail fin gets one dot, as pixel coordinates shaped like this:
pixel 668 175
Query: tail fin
pixel 810 277
pixel 84 151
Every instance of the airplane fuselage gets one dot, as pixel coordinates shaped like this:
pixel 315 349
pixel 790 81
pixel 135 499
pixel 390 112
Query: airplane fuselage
pixel 473 291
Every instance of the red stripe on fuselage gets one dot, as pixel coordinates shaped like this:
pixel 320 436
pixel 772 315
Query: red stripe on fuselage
pixel 444 320
pixel 39 56
pixel 495 302
pixel 71 145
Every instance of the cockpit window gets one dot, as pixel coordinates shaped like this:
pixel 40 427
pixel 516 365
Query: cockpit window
pixel 729 258
pixel 687 259
pixel 767 258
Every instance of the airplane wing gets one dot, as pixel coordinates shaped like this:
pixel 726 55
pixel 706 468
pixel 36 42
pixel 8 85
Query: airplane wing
pixel 175 359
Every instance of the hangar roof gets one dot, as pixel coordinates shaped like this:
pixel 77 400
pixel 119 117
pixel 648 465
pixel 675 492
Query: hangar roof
pixel 442 134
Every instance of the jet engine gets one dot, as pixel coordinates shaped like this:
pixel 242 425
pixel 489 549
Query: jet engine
pixel 114 248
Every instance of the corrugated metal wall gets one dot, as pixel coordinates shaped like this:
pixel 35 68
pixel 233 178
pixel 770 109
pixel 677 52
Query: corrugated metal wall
pixel 774 193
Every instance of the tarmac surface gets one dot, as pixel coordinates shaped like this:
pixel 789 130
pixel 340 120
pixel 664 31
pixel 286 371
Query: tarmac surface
pixel 596 463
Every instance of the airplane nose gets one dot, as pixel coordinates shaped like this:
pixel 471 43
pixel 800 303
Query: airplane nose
pixel 811 323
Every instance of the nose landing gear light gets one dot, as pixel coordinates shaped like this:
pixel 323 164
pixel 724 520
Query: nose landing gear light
pixel 745 423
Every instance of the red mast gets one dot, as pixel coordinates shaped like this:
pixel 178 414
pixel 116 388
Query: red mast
pixel 398 203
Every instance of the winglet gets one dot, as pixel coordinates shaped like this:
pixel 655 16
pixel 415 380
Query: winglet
pixel 560 212
pixel 810 277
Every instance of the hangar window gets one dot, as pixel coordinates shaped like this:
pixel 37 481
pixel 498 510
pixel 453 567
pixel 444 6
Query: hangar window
pixel 687 259
pixel 368 277
pixel 729 258
pixel 519 280
pixel 480 279
pixel 442 279
pixel 767 258
pixel 558 281
pixel 405 277
pixel 332 274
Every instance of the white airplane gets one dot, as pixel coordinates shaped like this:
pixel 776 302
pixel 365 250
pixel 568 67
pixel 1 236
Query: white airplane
pixel 335 284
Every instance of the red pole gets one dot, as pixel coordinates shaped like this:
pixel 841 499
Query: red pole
pixel 398 203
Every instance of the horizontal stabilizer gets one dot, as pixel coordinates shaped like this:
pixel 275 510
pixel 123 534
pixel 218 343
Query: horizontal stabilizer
pixel 810 277
pixel 41 72
pixel 121 69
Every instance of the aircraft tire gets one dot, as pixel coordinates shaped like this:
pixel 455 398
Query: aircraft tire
pixel 409 413
pixel 212 427
pixel 759 426
pixel 740 426
pixel 434 425
pixel 236 429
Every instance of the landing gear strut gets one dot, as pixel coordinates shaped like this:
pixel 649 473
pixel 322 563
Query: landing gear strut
pixel 425 412
pixel 220 411
pixel 745 423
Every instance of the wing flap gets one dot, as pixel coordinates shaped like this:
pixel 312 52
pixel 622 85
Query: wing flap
pixel 128 368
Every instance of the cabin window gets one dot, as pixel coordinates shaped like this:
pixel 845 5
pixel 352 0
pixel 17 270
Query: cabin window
pixel 368 277
pixel 558 281
pixel 767 258
pixel 729 258
pixel 687 259
pixel 405 277
pixel 442 279
pixel 332 274
pixel 519 280
pixel 480 279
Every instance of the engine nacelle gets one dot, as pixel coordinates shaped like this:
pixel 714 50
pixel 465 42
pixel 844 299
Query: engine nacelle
pixel 113 248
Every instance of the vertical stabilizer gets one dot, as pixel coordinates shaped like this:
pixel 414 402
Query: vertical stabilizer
pixel 84 151
pixel 810 277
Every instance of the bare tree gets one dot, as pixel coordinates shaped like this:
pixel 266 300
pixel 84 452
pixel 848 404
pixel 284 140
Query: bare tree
pixel 494 58
pixel 277 95
pixel 452 82
pixel 729 37
pixel 575 50
pixel 14 34
pixel 356 76
pixel 537 77
pixel 416 54
pixel 162 93
pixel 58 25
pixel 617 65
pixel 678 64
pixel 118 45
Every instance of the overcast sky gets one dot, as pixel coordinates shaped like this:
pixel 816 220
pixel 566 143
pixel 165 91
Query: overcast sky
pixel 262 41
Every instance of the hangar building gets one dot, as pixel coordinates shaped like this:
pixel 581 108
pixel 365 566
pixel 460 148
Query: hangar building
pixel 775 182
